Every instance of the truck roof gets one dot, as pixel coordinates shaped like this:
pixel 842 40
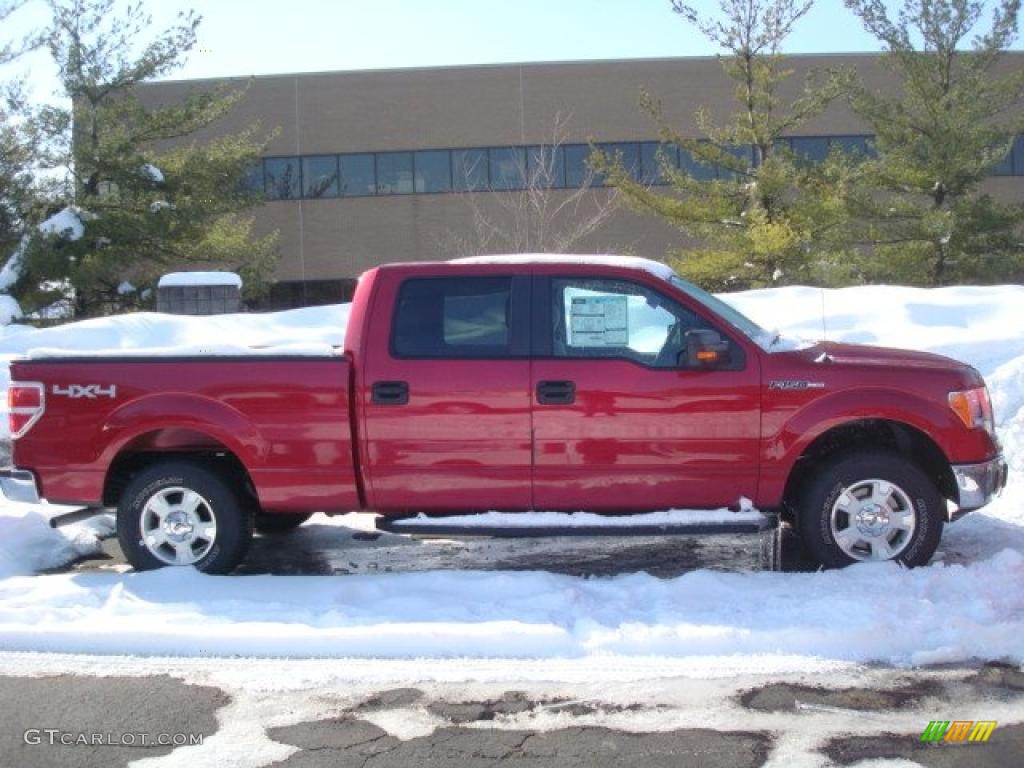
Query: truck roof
pixel 656 268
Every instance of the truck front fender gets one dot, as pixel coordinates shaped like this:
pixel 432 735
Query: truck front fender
pixel 788 435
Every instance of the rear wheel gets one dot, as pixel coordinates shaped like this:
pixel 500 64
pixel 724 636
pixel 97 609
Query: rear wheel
pixel 279 522
pixel 178 512
pixel 870 506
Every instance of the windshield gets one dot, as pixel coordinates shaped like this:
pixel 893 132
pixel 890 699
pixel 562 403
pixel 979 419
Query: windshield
pixel 752 330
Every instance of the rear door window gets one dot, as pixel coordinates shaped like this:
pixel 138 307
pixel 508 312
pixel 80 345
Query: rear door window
pixel 464 317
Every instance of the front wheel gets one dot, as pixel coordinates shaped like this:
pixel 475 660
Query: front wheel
pixel 870 506
pixel 178 512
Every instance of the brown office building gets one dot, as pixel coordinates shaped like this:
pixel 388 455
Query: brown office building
pixel 371 167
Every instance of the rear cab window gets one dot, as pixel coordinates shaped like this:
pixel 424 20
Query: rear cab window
pixel 453 317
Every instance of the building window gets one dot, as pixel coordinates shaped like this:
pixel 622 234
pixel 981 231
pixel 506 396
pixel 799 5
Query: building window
pixel 577 171
pixel 281 178
pixel 628 153
pixel 358 177
pixel 508 168
pixel 469 170
pixel 394 173
pixel 465 317
pixel 853 145
pixel 320 176
pixel 696 169
pixel 545 167
pixel 653 157
pixel 433 171
pixel 252 181
pixel 813 149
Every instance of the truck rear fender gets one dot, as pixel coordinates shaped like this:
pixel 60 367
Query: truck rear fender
pixel 176 423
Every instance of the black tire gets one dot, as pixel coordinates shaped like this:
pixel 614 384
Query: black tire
pixel 280 522
pixel 171 485
pixel 835 537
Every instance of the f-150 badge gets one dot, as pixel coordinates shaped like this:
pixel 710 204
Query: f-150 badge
pixel 789 384
pixel 89 391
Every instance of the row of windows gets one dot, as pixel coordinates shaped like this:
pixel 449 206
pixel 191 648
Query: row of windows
pixel 510 168
pixel 471 318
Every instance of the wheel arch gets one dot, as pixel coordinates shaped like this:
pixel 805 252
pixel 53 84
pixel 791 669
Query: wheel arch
pixel 150 447
pixel 866 434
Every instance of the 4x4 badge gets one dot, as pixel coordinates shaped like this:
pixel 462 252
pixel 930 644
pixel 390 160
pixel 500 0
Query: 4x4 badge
pixel 90 391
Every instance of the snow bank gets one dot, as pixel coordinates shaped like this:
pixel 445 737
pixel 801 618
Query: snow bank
pixel 929 615
pixel 29 545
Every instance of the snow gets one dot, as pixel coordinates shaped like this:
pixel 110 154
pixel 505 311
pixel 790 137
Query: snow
pixel 29 545
pixel 66 223
pixel 153 173
pixel 656 268
pixel 180 279
pixel 966 605
pixel 670 517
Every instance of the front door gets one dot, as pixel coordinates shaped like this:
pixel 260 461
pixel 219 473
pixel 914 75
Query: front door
pixel 619 424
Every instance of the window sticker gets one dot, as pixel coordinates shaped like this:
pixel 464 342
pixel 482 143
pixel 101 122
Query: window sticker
pixel 598 321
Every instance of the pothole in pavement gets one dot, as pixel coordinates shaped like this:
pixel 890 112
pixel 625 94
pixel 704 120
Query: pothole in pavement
pixel 787 697
pixel 1004 748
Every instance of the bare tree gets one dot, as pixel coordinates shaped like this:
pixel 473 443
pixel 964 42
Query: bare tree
pixel 530 207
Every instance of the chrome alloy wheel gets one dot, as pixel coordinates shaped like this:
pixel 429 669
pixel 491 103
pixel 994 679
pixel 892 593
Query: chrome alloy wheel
pixel 177 526
pixel 873 520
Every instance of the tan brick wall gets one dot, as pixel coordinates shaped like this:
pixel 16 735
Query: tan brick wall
pixel 479 107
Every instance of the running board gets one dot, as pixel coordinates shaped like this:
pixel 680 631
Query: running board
pixel 420 526
pixel 76 516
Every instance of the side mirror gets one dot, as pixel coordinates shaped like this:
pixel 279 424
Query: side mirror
pixel 705 349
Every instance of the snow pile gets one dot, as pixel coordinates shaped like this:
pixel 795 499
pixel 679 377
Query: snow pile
pixel 29 545
pixel 929 615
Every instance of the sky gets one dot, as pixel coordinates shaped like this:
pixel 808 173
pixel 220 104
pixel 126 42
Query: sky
pixel 258 37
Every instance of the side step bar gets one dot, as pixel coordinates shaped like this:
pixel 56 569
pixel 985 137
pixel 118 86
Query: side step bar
pixel 430 527
pixel 76 516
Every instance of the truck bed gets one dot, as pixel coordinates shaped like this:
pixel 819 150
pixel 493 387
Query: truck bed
pixel 286 419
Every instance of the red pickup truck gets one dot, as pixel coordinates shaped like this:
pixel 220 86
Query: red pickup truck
pixel 513 383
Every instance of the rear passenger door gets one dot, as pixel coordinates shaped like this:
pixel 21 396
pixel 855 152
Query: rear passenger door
pixel 446 394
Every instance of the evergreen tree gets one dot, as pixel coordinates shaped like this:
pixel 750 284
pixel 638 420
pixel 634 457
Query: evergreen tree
pixel 147 201
pixel 18 146
pixel 921 206
pixel 755 213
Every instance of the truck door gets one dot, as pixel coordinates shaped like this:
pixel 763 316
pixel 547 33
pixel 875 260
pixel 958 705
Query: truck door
pixel 446 393
pixel 619 423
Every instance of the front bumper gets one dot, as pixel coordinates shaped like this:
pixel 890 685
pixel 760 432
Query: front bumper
pixel 978 484
pixel 19 485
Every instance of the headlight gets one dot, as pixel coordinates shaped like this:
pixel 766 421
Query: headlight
pixel 974 407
